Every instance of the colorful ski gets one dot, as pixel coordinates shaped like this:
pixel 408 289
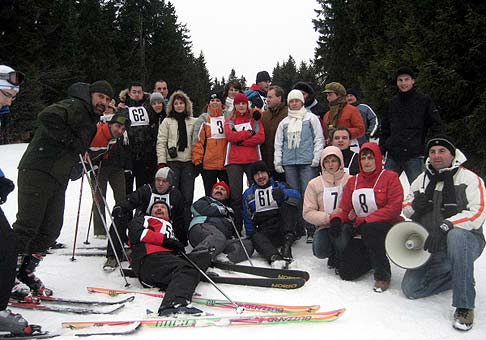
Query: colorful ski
pixel 263 271
pixel 65 301
pixel 66 309
pixel 224 320
pixel 249 306
pixel 108 330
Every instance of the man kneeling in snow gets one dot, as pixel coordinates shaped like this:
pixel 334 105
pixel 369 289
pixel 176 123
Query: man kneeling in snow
pixel 156 262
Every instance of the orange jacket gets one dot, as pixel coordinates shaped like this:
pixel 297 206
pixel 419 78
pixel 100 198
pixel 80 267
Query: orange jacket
pixel 209 147
pixel 102 140
pixel 350 118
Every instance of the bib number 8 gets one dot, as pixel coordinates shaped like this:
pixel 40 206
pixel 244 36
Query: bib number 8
pixel 362 203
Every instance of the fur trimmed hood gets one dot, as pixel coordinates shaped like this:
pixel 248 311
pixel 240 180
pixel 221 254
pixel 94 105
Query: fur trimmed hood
pixel 172 98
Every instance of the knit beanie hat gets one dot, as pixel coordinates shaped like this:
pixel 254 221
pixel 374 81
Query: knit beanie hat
pixel 336 88
pixel 354 92
pixel 216 95
pixel 156 97
pixel 240 98
pixel 224 185
pixel 166 173
pixel 102 86
pixel 4 84
pixel 303 86
pixel 257 167
pixel 160 202
pixel 405 70
pixel 295 94
pixel 262 76
pixel 444 141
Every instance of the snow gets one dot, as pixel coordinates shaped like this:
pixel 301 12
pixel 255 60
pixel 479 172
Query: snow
pixel 369 315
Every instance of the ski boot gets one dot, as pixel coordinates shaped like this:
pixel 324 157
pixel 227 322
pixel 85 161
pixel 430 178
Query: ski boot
pixel 26 274
pixel 180 306
pixel 14 323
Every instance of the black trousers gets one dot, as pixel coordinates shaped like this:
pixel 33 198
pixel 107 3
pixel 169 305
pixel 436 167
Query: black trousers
pixel 171 273
pixel 8 260
pixel 210 177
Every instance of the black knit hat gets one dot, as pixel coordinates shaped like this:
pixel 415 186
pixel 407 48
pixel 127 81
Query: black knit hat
pixel 353 91
pixel 102 86
pixel 257 167
pixel 216 95
pixel 405 70
pixel 303 86
pixel 444 141
pixel 159 201
pixel 262 76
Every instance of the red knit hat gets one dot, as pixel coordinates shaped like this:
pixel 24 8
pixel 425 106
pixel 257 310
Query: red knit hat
pixel 224 185
pixel 240 98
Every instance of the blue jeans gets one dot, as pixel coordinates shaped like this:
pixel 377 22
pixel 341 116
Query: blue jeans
pixel 453 269
pixel 298 176
pixel 412 167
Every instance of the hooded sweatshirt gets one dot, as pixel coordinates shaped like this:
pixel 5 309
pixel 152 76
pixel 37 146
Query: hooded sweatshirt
pixel 323 193
pixel 387 189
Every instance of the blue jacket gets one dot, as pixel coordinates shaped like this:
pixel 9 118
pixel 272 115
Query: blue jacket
pixel 253 219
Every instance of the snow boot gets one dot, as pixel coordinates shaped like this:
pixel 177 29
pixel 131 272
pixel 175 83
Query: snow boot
pixel 26 274
pixel 110 264
pixel 14 323
pixel 381 286
pixel 278 262
pixel 463 319
pixel 180 306
pixel 20 291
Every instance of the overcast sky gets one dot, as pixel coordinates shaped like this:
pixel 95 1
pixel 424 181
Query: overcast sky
pixel 251 35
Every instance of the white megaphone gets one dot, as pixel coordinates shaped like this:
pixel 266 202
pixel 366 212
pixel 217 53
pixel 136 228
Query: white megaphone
pixel 404 245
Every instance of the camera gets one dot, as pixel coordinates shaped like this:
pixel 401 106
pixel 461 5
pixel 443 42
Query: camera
pixel 172 152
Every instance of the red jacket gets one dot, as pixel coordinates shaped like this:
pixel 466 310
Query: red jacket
pixel 243 146
pixel 388 192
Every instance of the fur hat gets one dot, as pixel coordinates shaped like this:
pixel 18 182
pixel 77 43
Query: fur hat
pixel 262 76
pixel 336 88
pixel 295 94
pixel 102 86
pixel 240 98
pixel 258 166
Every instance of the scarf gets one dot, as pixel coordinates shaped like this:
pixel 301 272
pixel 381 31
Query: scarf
pixel 294 128
pixel 448 206
pixel 181 125
pixel 335 111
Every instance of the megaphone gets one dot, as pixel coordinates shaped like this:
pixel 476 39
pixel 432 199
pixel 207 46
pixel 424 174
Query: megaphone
pixel 404 245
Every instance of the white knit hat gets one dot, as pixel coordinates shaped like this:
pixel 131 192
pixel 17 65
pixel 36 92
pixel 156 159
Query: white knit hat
pixel 4 84
pixel 295 94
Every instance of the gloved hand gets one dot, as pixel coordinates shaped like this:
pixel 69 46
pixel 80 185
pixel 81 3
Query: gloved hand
pixel 252 132
pixel 335 227
pixel 172 151
pixel 278 195
pixel 437 239
pixel 172 243
pixel 231 213
pixel 117 212
pixel 161 165
pixel 421 204
pixel 6 187
pixel 257 115
pixel 279 169
pixel 315 163
pixel 198 170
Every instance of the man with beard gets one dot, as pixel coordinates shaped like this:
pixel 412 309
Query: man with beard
pixel 212 227
pixel 65 130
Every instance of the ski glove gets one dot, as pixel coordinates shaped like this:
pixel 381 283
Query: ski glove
pixel 335 228
pixel 279 169
pixel 278 195
pixel 6 187
pixel 437 239
pixel 257 115
pixel 172 243
pixel 421 204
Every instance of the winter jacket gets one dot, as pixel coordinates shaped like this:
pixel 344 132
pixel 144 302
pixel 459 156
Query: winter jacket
pixel 107 149
pixel 211 211
pixel 253 219
pixel 350 118
pixel 209 141
pixel 257 97
pixel 370 121
pixel 243 144
pixel 311 143
pixel 143 198
pixel 388 192
pixel 470 196
pixel 169 134
pixel 146 235
pixel 270 120
pixel 64 130
pixel 408 117
pixel 314 210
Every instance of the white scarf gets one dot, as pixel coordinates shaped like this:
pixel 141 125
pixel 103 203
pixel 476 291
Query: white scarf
pixel 294 128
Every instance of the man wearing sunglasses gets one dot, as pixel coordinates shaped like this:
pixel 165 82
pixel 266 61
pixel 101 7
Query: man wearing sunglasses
pixel 64 131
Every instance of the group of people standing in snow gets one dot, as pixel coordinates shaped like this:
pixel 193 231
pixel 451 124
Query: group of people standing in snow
pixel 309 172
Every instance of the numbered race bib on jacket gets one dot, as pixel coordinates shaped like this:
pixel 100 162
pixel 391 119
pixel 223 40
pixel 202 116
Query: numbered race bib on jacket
pixel 364 202
pixel 158 197
pixel 242 127
pixel 264 200
pixel 217 127
pixel 331 197
pixel 159 225
pixel 138 116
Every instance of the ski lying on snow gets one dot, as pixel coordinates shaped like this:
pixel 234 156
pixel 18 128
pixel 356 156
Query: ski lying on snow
pixel 262 271
pixel 66 301
pixel 224 320
pixel 267 282
pixel 65 309
pixel 41 335
pixel 249 306
pixel 108 330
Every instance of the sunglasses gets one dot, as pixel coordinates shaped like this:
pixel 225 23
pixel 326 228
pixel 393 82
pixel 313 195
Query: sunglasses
pixel 15 78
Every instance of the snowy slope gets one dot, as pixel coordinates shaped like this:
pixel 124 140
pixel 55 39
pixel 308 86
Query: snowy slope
pixel 369 315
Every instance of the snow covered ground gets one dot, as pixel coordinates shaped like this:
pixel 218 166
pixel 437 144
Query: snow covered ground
pixel 369 315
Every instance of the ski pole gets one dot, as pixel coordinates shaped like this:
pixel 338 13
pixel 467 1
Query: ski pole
pixel 89 224
pixel 241 241
pixel 239 309
pixel 77 217
pixel 110 240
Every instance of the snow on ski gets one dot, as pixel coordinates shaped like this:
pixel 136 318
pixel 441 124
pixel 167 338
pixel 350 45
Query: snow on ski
pixel 249 306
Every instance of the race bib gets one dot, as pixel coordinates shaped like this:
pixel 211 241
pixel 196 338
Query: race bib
pixel 160 225
pixel 138 116
pixel 264 200
pixel 364 202
pixel 217 127
pixel 243 127
pixel 331 198
pixel 158 197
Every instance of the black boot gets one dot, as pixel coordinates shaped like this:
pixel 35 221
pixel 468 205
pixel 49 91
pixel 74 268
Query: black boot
pixel 26 274
pixel 287 247
pixel 176 307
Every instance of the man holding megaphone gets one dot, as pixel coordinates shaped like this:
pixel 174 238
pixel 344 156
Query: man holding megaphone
pixel 448 200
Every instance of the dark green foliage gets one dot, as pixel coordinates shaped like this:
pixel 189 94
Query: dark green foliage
pixel 363 42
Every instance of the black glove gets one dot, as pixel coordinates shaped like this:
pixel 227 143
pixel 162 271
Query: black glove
pixel 172 243
pixel 278 194
pixel 335 228
pixel 437 239
pixel 117 212
pixel 421 204
pixel 257 115
pixel 198 170
pixel 6 187
pixel 172 152
pixel 252 132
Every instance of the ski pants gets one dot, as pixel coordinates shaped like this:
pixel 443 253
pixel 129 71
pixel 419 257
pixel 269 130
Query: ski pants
pixel 8 260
